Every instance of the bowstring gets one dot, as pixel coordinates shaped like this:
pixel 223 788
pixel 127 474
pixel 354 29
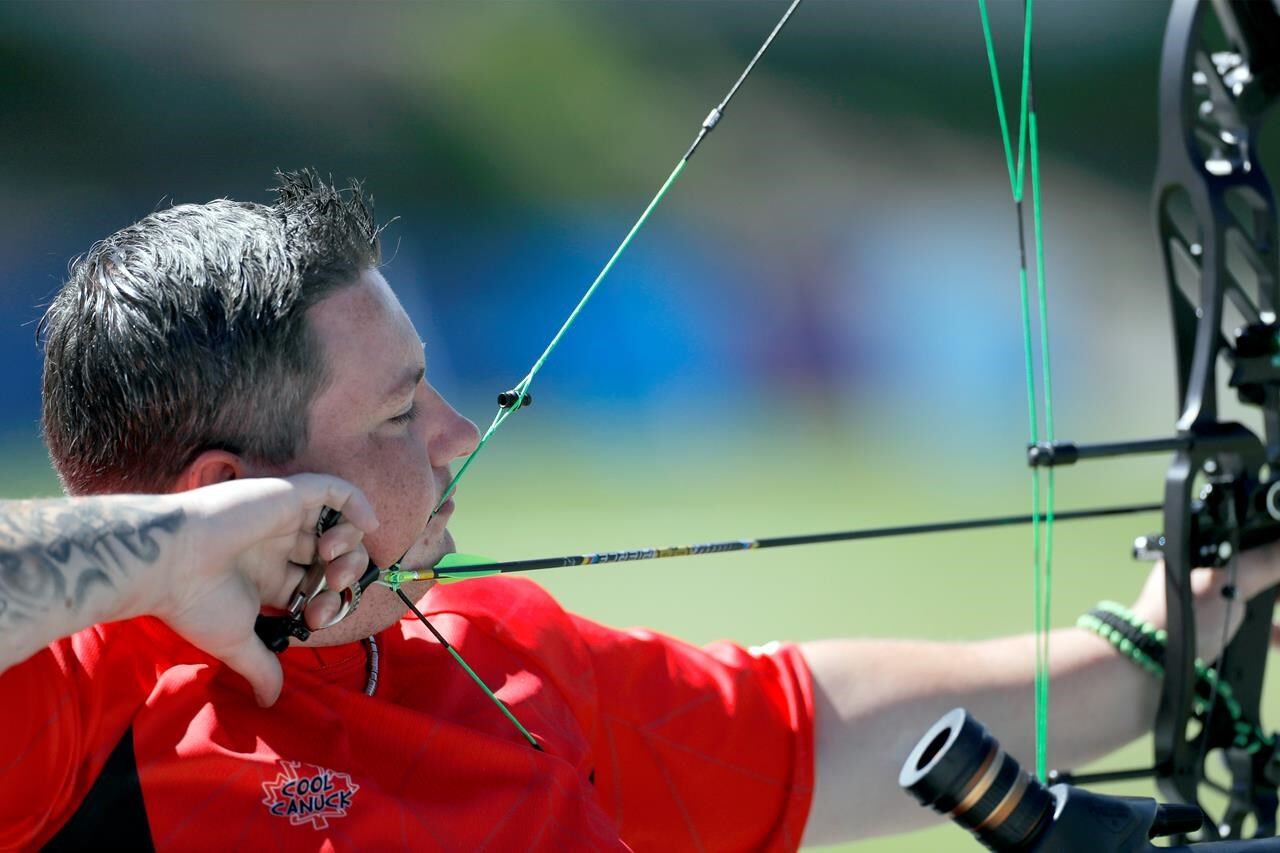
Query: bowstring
pixel 520 391
pixel 1042 499
pixel 519 395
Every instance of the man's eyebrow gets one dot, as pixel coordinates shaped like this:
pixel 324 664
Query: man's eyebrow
pixel 407 382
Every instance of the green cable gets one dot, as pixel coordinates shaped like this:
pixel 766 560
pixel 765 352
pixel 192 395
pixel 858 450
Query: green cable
pixel 1042 546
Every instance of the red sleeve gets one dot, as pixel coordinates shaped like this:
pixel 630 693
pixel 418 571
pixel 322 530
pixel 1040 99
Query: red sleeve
pixel 701 748
pixel 62 711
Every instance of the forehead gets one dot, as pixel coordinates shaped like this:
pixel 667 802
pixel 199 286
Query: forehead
pixel 367 339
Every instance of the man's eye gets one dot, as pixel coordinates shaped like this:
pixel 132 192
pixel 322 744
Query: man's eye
pixel 407 416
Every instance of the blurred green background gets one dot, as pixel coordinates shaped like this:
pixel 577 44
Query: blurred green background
pixel 819 329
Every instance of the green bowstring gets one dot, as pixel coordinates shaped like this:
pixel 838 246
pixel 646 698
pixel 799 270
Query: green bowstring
pixel 394 576
pixel 708 125
pixel 522 388
pixel 1041 541
pixel 1047 383
pixel 390 575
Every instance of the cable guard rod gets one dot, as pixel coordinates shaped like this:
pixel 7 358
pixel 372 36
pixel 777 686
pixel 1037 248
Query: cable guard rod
pixel 1052 454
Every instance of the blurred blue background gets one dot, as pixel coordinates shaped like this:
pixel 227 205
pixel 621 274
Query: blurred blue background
pixel 819 328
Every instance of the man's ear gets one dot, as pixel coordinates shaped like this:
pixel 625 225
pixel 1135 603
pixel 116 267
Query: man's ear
pixel 211 466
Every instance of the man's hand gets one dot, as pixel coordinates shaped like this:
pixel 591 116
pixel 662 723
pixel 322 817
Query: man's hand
pixel 1257 569
pixel 247 545
pixel 204 561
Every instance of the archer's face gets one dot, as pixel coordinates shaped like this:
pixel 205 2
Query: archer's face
pixel 380 425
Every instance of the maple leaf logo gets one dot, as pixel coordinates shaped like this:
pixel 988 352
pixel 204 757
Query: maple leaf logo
pixel 308 793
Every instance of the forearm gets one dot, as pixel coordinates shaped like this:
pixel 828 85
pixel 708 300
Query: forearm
pixel 70 563
pixel 876 698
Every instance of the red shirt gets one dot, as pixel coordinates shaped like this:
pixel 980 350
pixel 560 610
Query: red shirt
pixel 649 743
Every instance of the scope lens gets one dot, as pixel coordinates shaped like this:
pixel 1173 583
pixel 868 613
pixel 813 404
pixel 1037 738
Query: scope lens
pixel 959 770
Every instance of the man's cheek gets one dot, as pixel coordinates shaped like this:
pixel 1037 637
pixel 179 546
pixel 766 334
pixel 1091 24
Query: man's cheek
pixel 402 528
pixel 401 490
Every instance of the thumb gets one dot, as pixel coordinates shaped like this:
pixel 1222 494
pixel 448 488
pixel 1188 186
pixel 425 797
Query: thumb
pixel 251 659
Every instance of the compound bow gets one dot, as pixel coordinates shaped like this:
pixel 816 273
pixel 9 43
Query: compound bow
pixel 1217 228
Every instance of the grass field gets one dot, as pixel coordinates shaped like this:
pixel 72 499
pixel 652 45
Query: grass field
pixel 535 495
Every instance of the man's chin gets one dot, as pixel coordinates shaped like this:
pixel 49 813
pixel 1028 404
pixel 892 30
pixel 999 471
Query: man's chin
pixel 424 554
pixel 380 607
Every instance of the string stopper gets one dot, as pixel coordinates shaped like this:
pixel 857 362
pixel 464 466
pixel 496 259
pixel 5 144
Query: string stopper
pixel 508 399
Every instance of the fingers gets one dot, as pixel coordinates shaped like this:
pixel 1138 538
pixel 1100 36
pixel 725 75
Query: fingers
pixel 304 548
pixel 341 574
pixel 341 549
pixel 341 539
pixel 277 591
pixel 260 668
pixel 323 609
pixel 347 568
pixel 319 490
pixel 240 513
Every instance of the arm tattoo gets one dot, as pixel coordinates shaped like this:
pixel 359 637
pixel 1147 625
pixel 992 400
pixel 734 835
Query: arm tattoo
pixel 55 553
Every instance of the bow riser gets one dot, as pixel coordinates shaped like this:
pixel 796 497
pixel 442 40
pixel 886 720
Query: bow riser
pixel 1203 526
pixel 1216 221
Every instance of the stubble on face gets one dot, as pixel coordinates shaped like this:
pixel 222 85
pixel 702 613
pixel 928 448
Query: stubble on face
pixel 375 362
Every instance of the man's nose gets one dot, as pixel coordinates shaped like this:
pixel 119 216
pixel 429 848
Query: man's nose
pixel 453 435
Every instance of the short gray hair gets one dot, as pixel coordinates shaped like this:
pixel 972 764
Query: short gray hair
pixel 186 332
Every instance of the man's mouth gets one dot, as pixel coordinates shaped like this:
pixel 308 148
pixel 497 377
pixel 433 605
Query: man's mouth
pixel 434 531
pixel 441 516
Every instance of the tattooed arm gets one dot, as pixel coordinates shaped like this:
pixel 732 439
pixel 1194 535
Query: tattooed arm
pixel 205 561
pixel 67 564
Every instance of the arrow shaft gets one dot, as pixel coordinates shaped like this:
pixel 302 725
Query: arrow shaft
pixel 731 545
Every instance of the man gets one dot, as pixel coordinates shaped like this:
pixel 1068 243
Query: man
pixel 215 343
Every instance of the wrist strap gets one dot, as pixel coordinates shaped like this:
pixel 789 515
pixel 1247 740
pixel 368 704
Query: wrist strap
pixel 1141 642
pixel 1144 644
